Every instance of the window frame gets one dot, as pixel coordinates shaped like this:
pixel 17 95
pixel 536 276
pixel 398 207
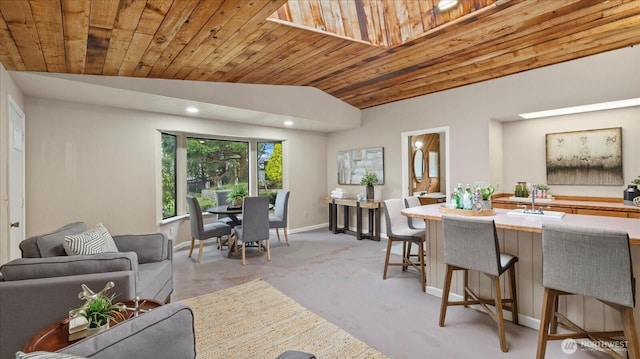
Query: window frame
pixel 181 167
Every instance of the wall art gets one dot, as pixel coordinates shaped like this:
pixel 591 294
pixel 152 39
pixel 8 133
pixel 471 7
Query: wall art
pixel 592 157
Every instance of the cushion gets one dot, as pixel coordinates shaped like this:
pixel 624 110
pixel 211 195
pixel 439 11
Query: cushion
pixel 97 240
pixel 33 268
pixel 50 244
pixel 46 355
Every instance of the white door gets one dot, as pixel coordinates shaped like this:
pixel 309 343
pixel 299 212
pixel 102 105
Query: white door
pixel 16 178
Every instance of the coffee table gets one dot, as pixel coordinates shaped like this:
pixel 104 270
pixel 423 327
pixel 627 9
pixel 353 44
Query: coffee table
pixel 56 336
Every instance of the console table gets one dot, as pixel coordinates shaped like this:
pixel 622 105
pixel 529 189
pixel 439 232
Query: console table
pixel 373 208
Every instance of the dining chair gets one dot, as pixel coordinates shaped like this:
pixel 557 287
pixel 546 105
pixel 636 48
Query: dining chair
pixel 221 200
pixel 255 225
pixel 594 263
pixel 201 231
pixel 472 244
pixel 279 217
pixel 414 223
pixel 398 231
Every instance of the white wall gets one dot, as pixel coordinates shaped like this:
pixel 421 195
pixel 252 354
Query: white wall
pixel 98 164
pixel 469 112
pixel 7 88
pixel 525 152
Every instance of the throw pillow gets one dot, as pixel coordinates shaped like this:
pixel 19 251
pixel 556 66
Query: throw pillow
pixel 97 240
pixel 46 355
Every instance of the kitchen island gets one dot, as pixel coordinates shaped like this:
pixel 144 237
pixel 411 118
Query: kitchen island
pixel 522 236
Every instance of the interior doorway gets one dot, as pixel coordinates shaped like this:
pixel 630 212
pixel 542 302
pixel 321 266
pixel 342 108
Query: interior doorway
pixel 16 178
pixel 411 161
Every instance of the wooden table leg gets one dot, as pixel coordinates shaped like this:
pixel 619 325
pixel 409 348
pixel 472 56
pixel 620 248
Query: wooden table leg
pixel 346 218
pixel 377 225
pixel 358 221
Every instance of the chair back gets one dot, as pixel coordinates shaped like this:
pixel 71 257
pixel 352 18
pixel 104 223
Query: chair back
pixel 397 224
pixel 255 219
pixel 282 205
pixel 588 261
pixel 195 217
pixel 471 243
pixel 221 197
pixel 414 201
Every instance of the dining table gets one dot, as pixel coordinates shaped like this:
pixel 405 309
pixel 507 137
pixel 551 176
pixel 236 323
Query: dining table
pixel 232 212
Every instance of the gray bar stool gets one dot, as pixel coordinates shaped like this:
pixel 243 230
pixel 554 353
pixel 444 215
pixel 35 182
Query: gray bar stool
pixel 590 262
pixel 398 231
pixel 472 244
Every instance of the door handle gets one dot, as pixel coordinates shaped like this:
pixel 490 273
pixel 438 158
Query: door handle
pixel 15 224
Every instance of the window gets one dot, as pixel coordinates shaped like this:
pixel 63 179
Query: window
pixel 215 165
pixel 269 168
pixel 169 154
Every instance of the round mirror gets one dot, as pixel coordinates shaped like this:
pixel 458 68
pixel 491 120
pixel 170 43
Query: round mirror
pixel 418 165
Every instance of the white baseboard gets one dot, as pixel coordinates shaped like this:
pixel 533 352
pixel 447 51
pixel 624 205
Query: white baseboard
pixel 523 320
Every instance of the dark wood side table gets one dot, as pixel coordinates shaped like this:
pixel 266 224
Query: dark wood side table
pixel 56 336
pixel 373 208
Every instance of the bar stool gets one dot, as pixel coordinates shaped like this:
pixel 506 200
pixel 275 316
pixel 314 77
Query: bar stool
pixel 472 244
pixel 590 262
pixel 398 231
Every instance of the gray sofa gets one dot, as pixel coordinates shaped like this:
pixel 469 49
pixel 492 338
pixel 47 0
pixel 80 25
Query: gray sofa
pixel 41 287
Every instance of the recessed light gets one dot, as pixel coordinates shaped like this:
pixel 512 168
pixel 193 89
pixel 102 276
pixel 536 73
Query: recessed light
pixel 418 144
pixel 288 123
pixel 192 110
pixel 580 109
pixel 444 5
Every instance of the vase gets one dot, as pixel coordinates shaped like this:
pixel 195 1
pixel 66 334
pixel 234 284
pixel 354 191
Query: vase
pixel 370 193
pixel 486 204
pixel 92 331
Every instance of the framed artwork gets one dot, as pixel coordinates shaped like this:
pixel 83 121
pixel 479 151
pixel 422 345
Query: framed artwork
pixel 354 164
pixel 592 157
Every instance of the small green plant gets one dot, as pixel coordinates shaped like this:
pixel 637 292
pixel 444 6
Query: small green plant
pixel 522 190
pixel 370 179
pixel 636 181
pixel 487 192
pixel 236 195
pixel 101 310
pixel 542 187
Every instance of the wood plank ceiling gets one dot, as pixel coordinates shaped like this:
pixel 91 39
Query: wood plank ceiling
pixel 412 48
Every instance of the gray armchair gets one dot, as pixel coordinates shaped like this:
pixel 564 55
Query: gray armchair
pixel 40 288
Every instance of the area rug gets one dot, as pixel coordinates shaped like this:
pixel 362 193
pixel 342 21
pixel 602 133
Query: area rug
pixel 255 320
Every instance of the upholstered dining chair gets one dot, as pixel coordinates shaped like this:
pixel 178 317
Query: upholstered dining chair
pixel 279 217
pixel 414 223
pixel 594 263
pixel 221 200
pixel 201 231
pixel 255 225
pixel 472 244
pixel 398 231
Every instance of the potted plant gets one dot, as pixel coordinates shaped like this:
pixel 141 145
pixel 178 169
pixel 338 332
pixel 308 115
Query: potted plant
pixel 486 192
pixel 99 309
pixel 542 190
pixel 235 196
pixel 369 180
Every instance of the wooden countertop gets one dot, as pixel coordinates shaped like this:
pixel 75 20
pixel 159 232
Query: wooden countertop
pixel 534 224
pixel 594 205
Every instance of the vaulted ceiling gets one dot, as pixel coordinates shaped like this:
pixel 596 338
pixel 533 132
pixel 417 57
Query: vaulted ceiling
pixel 379 51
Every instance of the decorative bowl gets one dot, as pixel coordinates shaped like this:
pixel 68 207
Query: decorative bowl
pixel 636 201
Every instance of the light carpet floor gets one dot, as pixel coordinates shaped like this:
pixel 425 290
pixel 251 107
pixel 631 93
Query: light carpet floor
pixel 255 320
